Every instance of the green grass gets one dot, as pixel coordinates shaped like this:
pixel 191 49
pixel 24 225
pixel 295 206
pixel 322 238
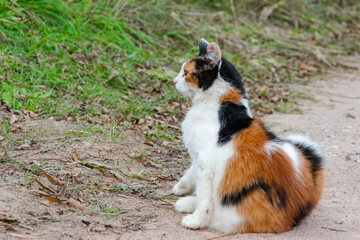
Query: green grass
pixel 70 58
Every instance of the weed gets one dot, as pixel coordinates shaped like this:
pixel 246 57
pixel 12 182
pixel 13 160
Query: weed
pixel 286 106
pixel 126 188
pixel 30 174
pixel 62 58
pixel 110 210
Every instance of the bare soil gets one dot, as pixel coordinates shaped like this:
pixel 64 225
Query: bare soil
pixel 103 188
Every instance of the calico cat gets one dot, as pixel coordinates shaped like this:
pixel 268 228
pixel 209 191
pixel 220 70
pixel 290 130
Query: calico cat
pixel 242 178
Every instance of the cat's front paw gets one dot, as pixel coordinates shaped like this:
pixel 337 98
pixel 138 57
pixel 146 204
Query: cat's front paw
pixel 181 189
pixel 186 204
pixel 193 221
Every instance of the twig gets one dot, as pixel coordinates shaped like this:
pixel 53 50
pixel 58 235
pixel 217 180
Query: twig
pixel 221 236
pixel 333 229
pixel 342 96
pixel 44 158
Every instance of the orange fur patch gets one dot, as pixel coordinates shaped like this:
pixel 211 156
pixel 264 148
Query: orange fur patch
pixel 190 68
pixel 232 95
pixel 251 162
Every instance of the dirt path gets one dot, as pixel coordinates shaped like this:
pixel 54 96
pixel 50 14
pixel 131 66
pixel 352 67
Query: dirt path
pixel 331 117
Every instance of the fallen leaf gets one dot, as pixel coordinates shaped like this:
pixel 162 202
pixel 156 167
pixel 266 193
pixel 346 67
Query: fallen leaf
pixel 50 179
pixel 13 119
pixel 2 152
pixel 43 186
pixel 75 203
pixel 113 74
pixel 101 167
pixel 32 114
pixel 7 226
pixel 135 175
pixel 46 196
pixel 2 138
pixel 4 105
pixel 76 155
pixel 24 146
pixel 104 110
pixel 347 158
pixel 26 236
pixel 117 175
pixel 17 126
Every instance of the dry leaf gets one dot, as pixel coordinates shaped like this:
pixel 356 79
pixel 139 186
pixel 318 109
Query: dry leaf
pixel 135 175
pixel 76 155
pixel 7 226
pixel 46 196
pixel 50 179
pixel 6 220
pixel 26 236
pixel 17 126
pixel 2 138
pixel 98 166
pixel 104 110
pixel 113 74
pixel 2 152
pixel 117 175
pixel 24 146
pixel 32 114
pixel 13 119
pixel 75 203
pixel 43 186
pixel 267 11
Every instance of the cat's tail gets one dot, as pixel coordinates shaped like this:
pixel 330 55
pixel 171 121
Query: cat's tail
pixel 311 152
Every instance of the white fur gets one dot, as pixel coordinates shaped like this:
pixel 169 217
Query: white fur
pixel 200 135
pixel 185 88
pixel 289 150
pixel 306 142
pixel 186 204
pixel 245 102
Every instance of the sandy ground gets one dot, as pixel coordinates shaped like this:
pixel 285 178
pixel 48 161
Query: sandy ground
pixel 331 116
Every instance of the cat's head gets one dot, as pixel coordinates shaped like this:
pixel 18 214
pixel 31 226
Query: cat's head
pixel 200 72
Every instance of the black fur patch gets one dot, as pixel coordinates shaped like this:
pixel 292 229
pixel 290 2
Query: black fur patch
pixel 282 196
pixel 311 155
pixel 235 198
pixel 229 73
pixel 233 118
pixel 271 136
pixel 205 77
pixel 202 47
pixel 303 211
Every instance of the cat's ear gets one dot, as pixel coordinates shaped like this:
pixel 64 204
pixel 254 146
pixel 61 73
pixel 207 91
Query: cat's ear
pixel 212 55
pixel 202 46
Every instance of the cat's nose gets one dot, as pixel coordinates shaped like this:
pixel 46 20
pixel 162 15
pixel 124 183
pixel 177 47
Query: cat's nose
pixel 175 81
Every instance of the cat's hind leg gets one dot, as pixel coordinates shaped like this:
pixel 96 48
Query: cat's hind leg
pixel 186 204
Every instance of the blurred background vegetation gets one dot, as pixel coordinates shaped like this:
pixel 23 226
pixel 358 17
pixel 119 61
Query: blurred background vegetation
pixel 71 58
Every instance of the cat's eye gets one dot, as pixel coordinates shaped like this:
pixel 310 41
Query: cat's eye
pixel 186 72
